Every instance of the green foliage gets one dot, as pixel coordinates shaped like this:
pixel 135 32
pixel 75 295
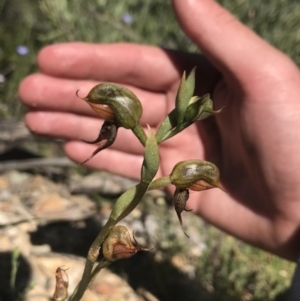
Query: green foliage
pixel 277 21
pixel 38 23
pixel 188 109
pixel 14 264
pixel 235 271
pixel 184 94
pixel 13 276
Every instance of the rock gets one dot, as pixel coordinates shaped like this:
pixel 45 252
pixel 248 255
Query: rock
pixel 3 183
pixel 12 211
pixel 38 216
pixel 106 286
pixel 100 182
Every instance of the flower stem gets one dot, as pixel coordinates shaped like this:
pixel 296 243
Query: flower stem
pixel 91 259
pixel 160 183
pixel 140 134
pixel 101 265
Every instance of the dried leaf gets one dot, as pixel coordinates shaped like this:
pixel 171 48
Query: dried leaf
pixel 62 283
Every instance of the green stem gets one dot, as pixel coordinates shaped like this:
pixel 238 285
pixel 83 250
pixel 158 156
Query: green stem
pixel 103 263
pixel 159 183
pixel 128 201
pixel 140 134
pixel 123 206
pixel 91 259
pixel 132 197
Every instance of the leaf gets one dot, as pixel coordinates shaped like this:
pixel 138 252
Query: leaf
pixel 172 124
pixel 130 198
pixel 151 159
pixel 198 109
pixel 124 203
pixel 184 94
pixel 166 127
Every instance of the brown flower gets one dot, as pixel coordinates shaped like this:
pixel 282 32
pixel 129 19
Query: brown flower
pixel 118 244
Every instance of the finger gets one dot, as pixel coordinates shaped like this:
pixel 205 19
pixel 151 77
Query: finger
pixel 74 127
pixel 124 164
pixel 43 92
pixel 232 47
pixel 145 66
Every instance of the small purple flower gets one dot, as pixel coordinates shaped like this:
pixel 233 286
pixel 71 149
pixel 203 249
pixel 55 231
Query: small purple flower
pixel 127 18
pixel 22 50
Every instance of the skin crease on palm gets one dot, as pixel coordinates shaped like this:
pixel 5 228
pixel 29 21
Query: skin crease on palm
pixel 255 141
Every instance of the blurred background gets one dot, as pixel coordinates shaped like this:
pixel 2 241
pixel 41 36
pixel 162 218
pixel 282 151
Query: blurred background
pixel 227 269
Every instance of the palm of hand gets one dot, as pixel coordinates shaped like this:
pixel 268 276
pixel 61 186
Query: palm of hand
pixel 251 143
pixel 258 155
pixel 243 140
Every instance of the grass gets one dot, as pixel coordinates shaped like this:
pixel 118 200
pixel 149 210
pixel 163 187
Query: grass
pixel 38 23
pixel 232 270
pixel 228 268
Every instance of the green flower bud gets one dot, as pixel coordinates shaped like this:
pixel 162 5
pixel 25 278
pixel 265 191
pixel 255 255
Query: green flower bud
pixel 199 108
pixel 119 107
pixel 118 245
pixel 195 175
pixel 115 103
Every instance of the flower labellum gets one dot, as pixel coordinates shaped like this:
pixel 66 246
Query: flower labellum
pixel 106 137
pixel 181 196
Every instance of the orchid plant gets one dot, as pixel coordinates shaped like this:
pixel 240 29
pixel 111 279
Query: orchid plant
pixel 119 107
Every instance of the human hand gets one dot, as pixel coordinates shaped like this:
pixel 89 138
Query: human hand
pixel 254 141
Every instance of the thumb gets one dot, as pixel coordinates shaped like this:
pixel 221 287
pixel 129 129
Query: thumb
pixel 231 46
